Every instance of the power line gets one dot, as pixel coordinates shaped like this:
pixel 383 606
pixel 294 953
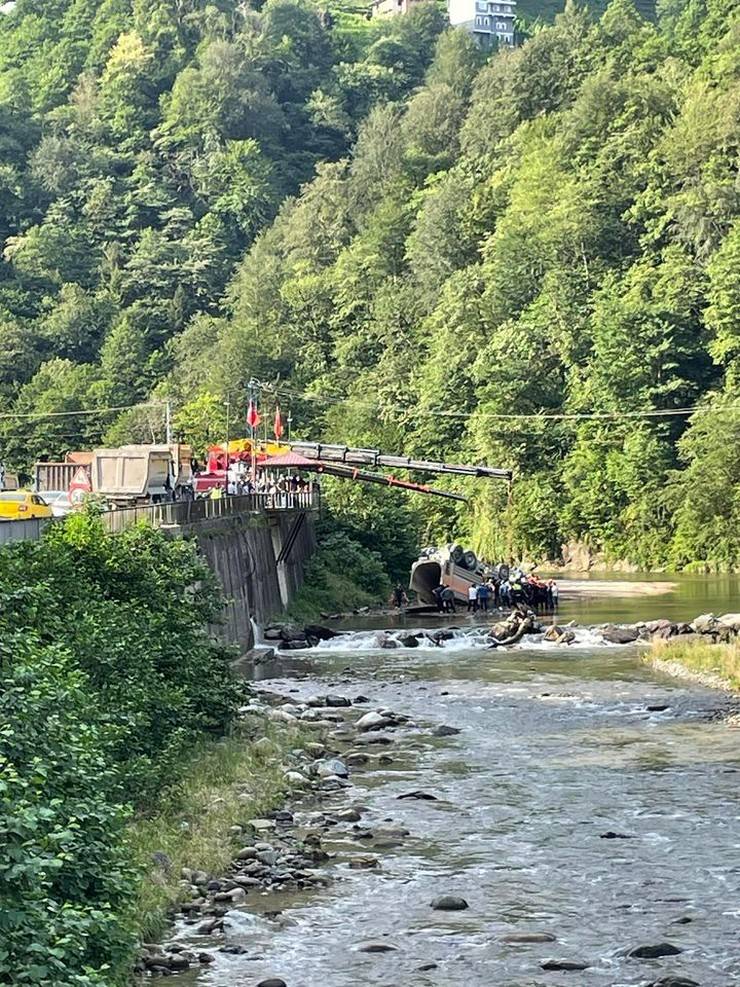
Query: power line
pixel 80 414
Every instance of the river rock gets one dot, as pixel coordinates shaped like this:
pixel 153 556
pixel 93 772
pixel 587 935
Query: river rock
pixel 320 632
pixel 376 947
pixel 297 779
pixel 515 938
pixel 449 903
pixel 348 815
pixel 421 796
pixel 294 645
pixel 445 731
pixel 553 633
pixel 205 958
pixel 372 721
pixel 564 965
pixel 409 641
pixel 338 701
pixel 364 862
pixel 730 620
pixel 331 768
pixel 375 739
pixel 611 835
pixel 426 966
pixel 262 825
pixel 272 982
pixel 236 896
pixel 281 716
pixel 619 635
pixel 273 633
pixel 652 951
pixel 386 642
pixel 179 961
pixel 705 623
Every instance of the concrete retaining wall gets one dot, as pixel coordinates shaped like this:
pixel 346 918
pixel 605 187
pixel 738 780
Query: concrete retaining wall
pixel 260 562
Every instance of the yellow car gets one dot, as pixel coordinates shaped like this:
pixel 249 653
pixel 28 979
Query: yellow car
pixel 20 505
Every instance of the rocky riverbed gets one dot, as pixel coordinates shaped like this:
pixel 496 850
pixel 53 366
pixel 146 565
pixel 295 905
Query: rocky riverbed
pixel 529 815
pixel 500 629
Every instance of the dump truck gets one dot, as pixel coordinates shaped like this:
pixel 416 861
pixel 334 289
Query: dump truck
pixel 131 475
pixel 124 476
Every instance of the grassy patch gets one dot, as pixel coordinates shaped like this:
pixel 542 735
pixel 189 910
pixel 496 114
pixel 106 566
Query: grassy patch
pixel 336 593
pixel 227 783
pixel 719 660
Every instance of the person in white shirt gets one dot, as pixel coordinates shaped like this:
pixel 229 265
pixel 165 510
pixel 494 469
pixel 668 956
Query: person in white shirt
pixel 472 598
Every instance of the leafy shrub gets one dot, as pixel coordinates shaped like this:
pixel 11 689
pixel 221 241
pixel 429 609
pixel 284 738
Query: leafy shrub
pixel 108 679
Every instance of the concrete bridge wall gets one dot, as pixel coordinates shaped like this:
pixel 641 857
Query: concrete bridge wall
pixel 260 562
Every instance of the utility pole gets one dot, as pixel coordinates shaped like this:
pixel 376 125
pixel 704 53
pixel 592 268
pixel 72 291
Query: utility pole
pixel 228 423
pixel 168 422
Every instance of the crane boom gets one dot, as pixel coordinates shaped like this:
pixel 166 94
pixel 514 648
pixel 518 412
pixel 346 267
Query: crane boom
pixel 373 457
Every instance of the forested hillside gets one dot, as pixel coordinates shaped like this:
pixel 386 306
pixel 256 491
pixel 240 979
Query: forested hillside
pixel 144 144
pixel 553 234
pixel 530 260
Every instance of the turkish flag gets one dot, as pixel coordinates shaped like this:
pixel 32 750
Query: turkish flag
pixel 278 426
pixel 253 416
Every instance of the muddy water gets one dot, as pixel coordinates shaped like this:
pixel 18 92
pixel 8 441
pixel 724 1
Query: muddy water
pixel 557 748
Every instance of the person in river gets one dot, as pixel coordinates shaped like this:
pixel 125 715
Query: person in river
pixel 483 593
pixel 448 599
pixel 398 597
pixel 472 598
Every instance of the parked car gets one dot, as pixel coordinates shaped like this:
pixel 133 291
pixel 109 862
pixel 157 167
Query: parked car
pixel 58 501
pixel 21 505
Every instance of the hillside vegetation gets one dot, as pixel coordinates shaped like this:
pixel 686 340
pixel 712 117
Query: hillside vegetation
pixel 553 233
pixel 419 245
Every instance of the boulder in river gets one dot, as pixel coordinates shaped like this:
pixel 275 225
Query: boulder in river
pixel 409 641
pixel 564 965
pixel 319 632
pixel 372 721
pixel 731 621
pixel 619 635
pixel 445 731
pixel 421 796
pixel 382 640
pixel 705 623
pixel 651 951
pixel 272 982
pixel 331 768
pixel 449 903
pixel 376 947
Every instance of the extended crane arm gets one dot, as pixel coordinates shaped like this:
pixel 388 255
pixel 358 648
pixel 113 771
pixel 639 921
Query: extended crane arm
pixel 373 457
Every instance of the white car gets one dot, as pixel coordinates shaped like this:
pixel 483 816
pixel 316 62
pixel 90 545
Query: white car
pixel 58 501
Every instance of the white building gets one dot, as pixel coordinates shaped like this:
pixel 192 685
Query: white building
pixel 490 22
pixel 389 8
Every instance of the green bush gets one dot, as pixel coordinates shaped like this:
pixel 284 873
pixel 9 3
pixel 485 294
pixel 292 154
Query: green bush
pixel 108 681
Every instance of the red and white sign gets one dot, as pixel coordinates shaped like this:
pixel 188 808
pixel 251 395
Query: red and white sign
pixel 79 486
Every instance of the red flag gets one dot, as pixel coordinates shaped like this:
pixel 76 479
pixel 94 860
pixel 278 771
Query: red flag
pixel 278 426
pixel 253 416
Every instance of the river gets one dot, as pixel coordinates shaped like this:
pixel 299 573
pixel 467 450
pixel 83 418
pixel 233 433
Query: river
pixel 557 749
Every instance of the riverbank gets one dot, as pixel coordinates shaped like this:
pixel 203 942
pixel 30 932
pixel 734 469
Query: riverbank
pixel 493 777
pixel 715 665
pixel 199 820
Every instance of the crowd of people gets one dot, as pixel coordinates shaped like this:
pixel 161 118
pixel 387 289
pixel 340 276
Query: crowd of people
pixel 239 483
pixel 503 593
